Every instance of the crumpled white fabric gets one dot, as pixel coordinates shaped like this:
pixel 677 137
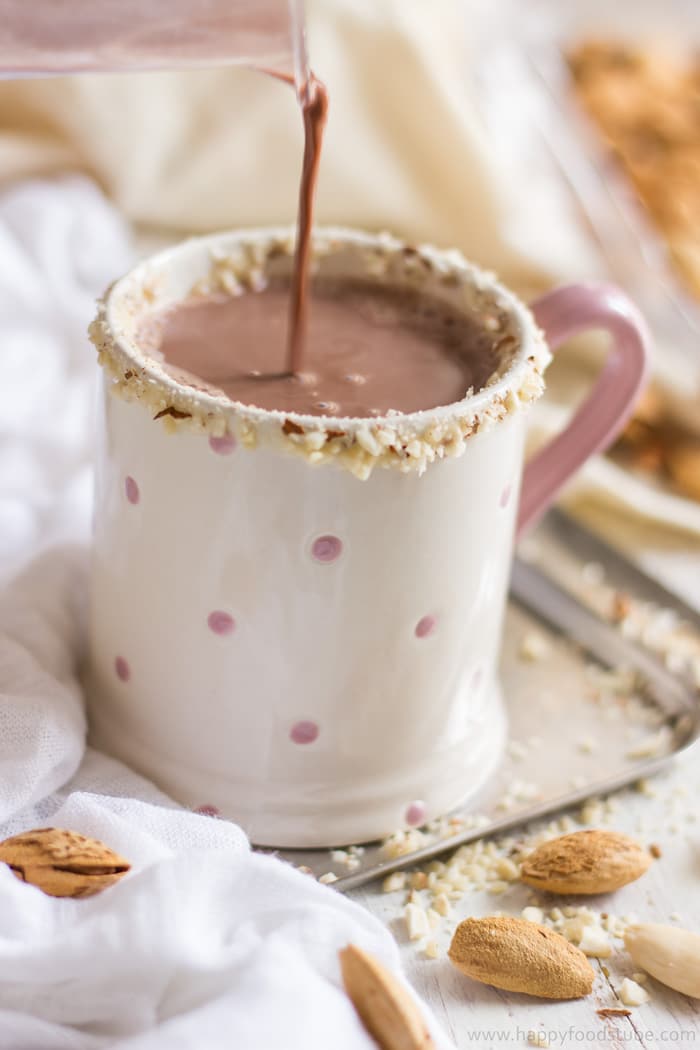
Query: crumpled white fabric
pixel 205 944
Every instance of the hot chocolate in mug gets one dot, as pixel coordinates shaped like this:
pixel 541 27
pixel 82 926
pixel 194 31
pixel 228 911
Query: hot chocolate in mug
pixel 296 619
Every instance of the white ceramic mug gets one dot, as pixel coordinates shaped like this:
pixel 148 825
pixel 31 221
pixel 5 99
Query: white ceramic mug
pixel 296 620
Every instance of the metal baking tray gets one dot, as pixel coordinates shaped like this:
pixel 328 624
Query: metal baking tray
pixel 593 704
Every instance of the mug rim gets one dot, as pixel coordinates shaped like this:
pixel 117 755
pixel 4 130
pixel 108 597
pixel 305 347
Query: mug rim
pixel 137 375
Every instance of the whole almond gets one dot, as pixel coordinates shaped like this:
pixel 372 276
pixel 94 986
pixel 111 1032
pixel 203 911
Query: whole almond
pixel 62 863
pixel 521 956
pixel 669 954
pixel 585 862
pixel 386 1009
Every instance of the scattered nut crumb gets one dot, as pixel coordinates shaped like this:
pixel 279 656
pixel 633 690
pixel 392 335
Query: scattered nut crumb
pixel 591 812
pixel 655 850
pixel 652 745
pixel 434 918
pixel 329 877
pixel 431 950
pixel 417 925
pixel 395 881
pixel 498 886
pixel 632 994
pixel 441 904
pixel 594 942
pixel 507 869
pixel 613 1012
pixel 516 749
pixel 621 607
pixel 593 573
pixel 534 647
pixel 532 914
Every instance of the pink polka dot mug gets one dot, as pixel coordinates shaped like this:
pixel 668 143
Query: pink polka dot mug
pixel 295 621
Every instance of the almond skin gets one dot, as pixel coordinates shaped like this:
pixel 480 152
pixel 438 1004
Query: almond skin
pixel 586 862
pixel 386 1009
pixel 521 956
pixel 62 863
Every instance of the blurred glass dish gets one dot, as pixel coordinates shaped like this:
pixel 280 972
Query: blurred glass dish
pixel 529 104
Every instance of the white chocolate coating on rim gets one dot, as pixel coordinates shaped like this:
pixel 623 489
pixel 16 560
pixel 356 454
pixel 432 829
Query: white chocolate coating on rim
pixel 233 261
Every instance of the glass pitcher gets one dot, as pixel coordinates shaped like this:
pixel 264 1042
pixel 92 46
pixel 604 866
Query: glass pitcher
pixel 53 37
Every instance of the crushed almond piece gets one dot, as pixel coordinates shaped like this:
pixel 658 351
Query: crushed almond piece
pixel 621 607
pixel 417 925
pixel 533 915
pixel 395 881
pixel 534 647
pixel 507 869
pixel 632 994
pixel 441 904
pixel 594 942
pixel 434 918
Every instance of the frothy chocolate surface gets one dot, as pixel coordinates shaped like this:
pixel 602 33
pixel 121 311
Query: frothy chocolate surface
pixel 368 349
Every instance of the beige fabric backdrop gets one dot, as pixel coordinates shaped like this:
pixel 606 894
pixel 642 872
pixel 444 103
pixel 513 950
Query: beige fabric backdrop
pixel 405 151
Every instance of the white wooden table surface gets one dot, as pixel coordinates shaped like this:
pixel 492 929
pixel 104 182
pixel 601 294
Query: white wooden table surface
pixel 477 1015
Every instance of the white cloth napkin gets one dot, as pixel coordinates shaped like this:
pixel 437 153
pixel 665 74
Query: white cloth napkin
pixel 205 944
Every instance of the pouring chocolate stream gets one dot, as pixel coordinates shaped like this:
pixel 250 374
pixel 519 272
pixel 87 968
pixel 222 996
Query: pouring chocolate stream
pixel 314 106
pixel 364 350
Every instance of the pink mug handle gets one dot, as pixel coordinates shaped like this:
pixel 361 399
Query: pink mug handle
pixel 597 422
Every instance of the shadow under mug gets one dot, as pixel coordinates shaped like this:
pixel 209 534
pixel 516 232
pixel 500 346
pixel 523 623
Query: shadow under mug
pixel 296 621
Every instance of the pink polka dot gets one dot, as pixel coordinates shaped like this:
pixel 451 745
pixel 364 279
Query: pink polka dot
pixel 327 548
pixel 122 668
pixel 304 732
pixel 220 622
pixel 505 496
pixel 415 813
pixel 207 810
pixel 425 626
pixel 224 445
pixel 132 490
